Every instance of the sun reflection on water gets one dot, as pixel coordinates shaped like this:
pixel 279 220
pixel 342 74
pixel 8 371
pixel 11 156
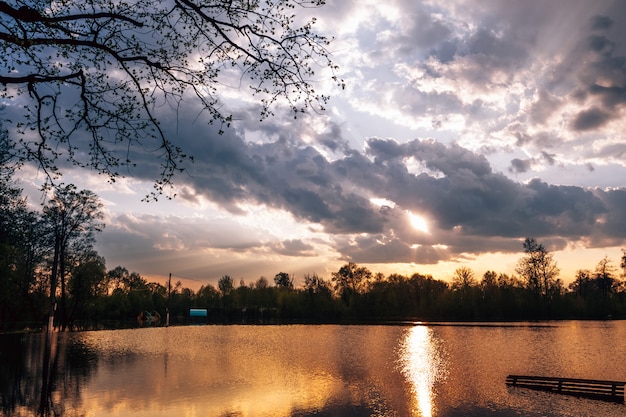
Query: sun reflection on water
pixel 422 365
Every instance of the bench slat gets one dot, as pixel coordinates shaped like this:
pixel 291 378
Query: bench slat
pixel 552 378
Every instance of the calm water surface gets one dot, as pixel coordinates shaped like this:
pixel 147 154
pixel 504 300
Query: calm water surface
pixel 304 370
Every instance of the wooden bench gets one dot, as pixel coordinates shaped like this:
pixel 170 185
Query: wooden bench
pixel 589 388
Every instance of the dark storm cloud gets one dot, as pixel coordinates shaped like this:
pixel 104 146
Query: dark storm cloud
pixel 600 44
pixel 483 203
pixel 450 160
pixel 611 96
pixel 601 74
pixel 457 190
pixel 281 174
pixel 590 119
pixel 306 184
pixel 469 207
pixel 563 210
pixel 612 223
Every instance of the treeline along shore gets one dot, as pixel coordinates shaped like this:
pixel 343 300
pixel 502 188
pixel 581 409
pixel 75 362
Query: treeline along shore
pixel 353 294
pixel 51 273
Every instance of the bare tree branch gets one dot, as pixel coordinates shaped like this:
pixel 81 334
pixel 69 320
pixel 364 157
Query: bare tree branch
pixel 101 69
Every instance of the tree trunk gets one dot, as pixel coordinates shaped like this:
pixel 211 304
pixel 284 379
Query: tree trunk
pixel 63 292
pixel 53 283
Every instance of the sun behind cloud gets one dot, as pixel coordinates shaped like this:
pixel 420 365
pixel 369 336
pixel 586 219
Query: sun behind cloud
pixel 418 222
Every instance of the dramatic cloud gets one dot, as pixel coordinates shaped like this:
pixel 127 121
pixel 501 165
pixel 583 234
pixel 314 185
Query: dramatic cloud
pixel 590 119
pixel 489 121
pixel 455 188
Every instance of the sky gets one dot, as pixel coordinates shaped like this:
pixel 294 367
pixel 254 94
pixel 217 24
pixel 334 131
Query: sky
pixel 465 126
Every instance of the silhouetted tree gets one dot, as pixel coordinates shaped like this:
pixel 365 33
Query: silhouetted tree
pixel 87 284
pixel 538 268
pixel 283 280
pixel 581 285
pixel 394 296
pixel 225 284
pixel 313 284
pixel 464 297
pixel 138 294
pixel 207 297
pixel 226 287
pixel 490 292
pixel 429 293
pixel 318 301
pixel 118 279
pixel 511 297
pixel 463 279
pixel 22 249
pixel 182 299
pixel 351 279
pixel 490 280
pixel 72 218
pixel 605 276
pixel 242 294
pixel 261 283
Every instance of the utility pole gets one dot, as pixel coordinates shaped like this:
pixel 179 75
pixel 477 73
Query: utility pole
pixel 167 308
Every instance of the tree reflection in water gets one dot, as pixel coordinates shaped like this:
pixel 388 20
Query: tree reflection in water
pixel 42 374
pixel 445 370
pixel 48 371
pixel 423 365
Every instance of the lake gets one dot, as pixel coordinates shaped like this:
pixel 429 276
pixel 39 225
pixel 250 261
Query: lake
pixel 423 370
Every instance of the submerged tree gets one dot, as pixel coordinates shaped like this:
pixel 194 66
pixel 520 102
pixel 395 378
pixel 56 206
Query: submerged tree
pixel 90 76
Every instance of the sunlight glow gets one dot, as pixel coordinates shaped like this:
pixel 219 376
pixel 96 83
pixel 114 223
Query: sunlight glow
pixel 422 367
pixel 418 222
